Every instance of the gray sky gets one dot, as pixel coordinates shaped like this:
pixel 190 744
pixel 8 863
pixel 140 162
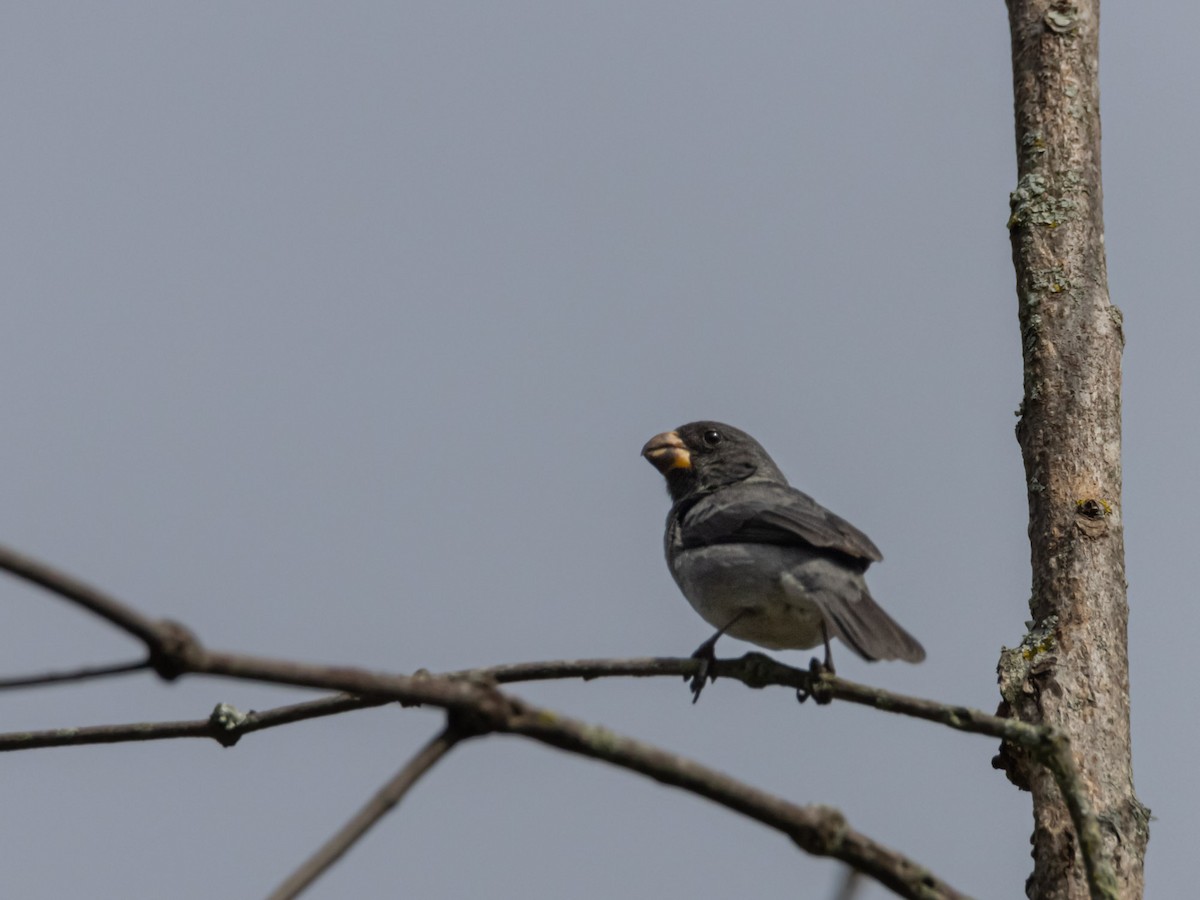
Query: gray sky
pixel 334 332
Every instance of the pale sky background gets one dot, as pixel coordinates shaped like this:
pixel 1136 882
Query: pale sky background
pixel 334 330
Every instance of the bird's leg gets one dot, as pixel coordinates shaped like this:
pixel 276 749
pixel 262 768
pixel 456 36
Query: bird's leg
pixel 828 653
pixel 817 669
pixel 706 653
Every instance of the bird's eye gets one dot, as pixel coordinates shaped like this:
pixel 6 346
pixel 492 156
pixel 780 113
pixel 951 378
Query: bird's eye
pixel 712 437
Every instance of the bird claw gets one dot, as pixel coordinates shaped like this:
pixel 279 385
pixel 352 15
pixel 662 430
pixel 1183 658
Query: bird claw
pixel 706 670
pixel 817 670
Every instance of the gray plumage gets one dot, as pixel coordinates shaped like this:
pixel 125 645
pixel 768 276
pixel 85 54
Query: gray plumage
pixel 760 560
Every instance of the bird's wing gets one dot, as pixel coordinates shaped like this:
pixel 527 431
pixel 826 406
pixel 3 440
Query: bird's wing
pixel 762 512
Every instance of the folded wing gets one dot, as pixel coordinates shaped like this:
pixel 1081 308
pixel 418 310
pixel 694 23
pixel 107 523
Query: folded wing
pixel 772 513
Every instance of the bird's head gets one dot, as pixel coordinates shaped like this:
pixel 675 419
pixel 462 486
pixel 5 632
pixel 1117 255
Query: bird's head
pixel 702 456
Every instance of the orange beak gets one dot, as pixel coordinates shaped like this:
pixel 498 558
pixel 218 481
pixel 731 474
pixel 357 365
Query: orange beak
pixel 666 452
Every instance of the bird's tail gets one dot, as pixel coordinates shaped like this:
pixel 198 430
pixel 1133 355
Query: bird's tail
pixel 864 627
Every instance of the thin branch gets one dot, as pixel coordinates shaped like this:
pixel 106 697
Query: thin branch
pixel 302 712
pixel 105 734
pixel 384 800
pixel 1057 757
pixel 1046 744
pixel 757 670
pixel 819 830
pixel 90 598
pixel 86 673
pixel 225 725
pixel 587 669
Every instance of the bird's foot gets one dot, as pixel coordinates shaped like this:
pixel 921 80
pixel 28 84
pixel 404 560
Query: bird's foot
pixel 706 655
pixel 817 670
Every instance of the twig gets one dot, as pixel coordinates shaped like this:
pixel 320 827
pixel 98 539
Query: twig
pixel 225 726
pixel 85 673
pixel 587 669
pixel 819 830
pixel 384 800
pixel 757 670
pixel 90 598
pixel 104 734
pixel 1045 743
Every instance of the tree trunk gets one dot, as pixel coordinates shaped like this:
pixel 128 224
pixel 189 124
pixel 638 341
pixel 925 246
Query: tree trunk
pixel 1071 671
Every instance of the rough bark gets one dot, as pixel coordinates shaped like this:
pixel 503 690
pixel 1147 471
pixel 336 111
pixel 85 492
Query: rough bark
pixel 1071 670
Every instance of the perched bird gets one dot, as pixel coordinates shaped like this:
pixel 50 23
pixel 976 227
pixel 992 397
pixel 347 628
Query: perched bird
pixel 761 561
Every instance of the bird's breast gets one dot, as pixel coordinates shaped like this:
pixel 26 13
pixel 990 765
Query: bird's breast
pixel 724 580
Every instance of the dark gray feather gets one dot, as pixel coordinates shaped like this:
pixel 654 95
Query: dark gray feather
pixel 763 512
pixel 853 615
